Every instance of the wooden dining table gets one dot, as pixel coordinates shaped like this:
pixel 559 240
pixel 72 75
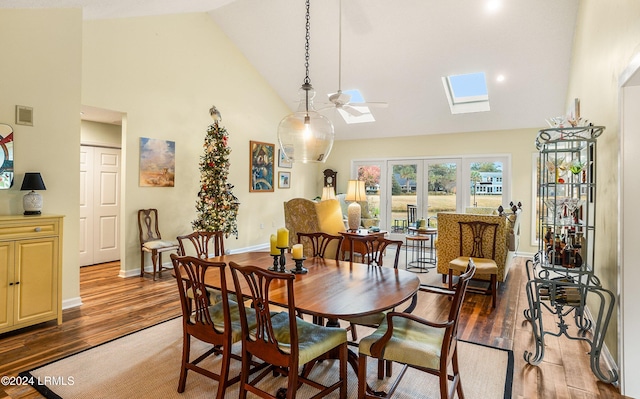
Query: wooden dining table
pixel 331 289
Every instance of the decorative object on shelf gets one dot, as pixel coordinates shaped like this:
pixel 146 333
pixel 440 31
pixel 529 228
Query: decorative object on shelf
pixel 330 179
pixel 328 193
pixel 306 135
pixel 216 206
pixel 355 193
pixel 562 273
pixel 261 162
pixel 6 156
pixel 284 179
pixel 32 201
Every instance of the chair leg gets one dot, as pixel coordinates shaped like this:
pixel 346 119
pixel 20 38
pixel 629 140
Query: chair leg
pixel 154 261
pixel 186 348
pixel 450 279
pixel 354 334
pixel 141 263
pixel 362 376
pixel 494 290
pixel 223 382
pixel 456 374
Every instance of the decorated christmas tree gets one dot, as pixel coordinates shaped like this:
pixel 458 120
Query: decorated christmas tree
pixel 216 205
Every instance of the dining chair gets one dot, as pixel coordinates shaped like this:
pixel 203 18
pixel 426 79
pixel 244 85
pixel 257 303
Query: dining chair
pixel 376 248
pixel 283 340
pixel 151 241
pixel 412 215
pixel 201 241
pixel 322 244
pixel 477 241
pixel 418 343
pixel 217 324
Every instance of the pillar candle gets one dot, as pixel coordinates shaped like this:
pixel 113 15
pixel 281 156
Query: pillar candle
pixel 273 241
pixel 283 237
pixel 296 251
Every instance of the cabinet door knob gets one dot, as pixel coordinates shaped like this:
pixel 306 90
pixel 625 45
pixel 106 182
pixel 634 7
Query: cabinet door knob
pixel 10 283
pixel 38 229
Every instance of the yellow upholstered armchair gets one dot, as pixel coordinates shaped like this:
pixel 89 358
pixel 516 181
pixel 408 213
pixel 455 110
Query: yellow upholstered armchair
pixel 305 216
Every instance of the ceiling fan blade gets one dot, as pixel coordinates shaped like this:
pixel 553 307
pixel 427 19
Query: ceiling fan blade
pixel 352 111
pixel 339 98
pixel 371 104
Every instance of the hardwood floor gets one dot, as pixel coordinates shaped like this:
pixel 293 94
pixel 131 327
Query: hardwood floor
pixel 113 307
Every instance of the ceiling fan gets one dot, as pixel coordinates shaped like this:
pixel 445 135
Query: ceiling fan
pixel 342 100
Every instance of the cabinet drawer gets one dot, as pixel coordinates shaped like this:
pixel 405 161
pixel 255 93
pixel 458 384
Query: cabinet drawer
pixel 35 228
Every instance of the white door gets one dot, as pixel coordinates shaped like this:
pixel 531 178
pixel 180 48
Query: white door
pixel 99 204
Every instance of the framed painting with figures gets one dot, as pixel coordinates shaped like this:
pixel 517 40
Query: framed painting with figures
pixel 261 166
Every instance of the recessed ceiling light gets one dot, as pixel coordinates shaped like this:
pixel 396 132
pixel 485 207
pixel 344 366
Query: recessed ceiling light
pixel 500 78
pixel 493 6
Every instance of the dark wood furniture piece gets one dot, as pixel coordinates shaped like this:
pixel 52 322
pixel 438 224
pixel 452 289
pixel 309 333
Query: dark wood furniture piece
pixel 200 320
pixel 433 344
pixel 282 340
pixel 358 247
pixel 321 243
pixel 479 244
pixel 151 241
pixel 201 240
pixel 333 288
pixel 330 179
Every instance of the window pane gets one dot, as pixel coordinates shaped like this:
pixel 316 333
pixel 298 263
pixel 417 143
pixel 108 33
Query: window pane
pixel 486 184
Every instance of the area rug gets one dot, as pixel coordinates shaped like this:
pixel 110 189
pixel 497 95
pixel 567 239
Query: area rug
pixel 146 364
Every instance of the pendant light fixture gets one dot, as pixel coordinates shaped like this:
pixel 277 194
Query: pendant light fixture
pixel 306 135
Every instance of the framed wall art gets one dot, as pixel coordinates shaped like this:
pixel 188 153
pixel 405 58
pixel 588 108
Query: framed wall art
pixel 284 179
pixel 157 162
pixel 261 166
pixel 283 161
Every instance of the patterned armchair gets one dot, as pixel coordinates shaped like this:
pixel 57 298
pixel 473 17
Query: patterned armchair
pixel 506 245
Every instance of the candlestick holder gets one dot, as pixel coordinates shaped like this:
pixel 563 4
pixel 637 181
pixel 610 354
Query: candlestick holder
pixel 275 267
pixel 279 261
pixel 299 269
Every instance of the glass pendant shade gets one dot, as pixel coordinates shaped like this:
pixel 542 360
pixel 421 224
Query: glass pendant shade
pixel 306 135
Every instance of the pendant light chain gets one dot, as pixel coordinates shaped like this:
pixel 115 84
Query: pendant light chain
pixel 306 46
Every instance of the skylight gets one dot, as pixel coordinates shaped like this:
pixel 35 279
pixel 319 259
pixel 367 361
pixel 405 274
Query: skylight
pixel 466 93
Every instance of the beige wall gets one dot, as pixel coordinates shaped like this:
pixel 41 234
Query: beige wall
pixel 95 133
pixel 518 143
pixel 40 68
pixel 607 37
pixel 164 73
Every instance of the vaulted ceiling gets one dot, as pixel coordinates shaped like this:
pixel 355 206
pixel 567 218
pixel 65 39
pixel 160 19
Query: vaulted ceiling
pixel 393 51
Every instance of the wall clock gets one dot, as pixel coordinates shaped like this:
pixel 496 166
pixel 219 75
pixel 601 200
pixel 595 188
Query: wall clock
pixel 330 178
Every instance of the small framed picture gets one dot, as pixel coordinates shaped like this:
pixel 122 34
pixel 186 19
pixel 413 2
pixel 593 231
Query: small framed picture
pixel 283 161
pixel 261 166
pixel 284 179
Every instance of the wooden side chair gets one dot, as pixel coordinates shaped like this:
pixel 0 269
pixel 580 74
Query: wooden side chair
pixel 323 245
pixel 201 240
pixel 217 324
pixel 151 241
pixel 478 241
pixel 429 346
pixel 283 340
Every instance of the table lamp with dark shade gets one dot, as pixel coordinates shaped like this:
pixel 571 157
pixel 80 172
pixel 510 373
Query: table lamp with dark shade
pixel 32 201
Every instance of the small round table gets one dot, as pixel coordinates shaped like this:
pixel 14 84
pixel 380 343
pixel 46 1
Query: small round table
pixel 423 254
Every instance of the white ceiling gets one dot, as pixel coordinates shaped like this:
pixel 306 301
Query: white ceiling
pixel 393 51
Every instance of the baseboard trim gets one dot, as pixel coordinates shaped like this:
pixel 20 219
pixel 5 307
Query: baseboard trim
pixel 71 303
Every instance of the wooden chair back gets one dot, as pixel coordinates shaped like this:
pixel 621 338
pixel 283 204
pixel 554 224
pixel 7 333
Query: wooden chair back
pixel 375 247
pixel 320 243
pixel 201 240
pixel 148 225
pixel 478 239
pixel 197 319
pixel 255 283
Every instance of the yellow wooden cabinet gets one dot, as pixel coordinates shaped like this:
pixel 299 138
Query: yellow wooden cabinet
pixel 30 270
